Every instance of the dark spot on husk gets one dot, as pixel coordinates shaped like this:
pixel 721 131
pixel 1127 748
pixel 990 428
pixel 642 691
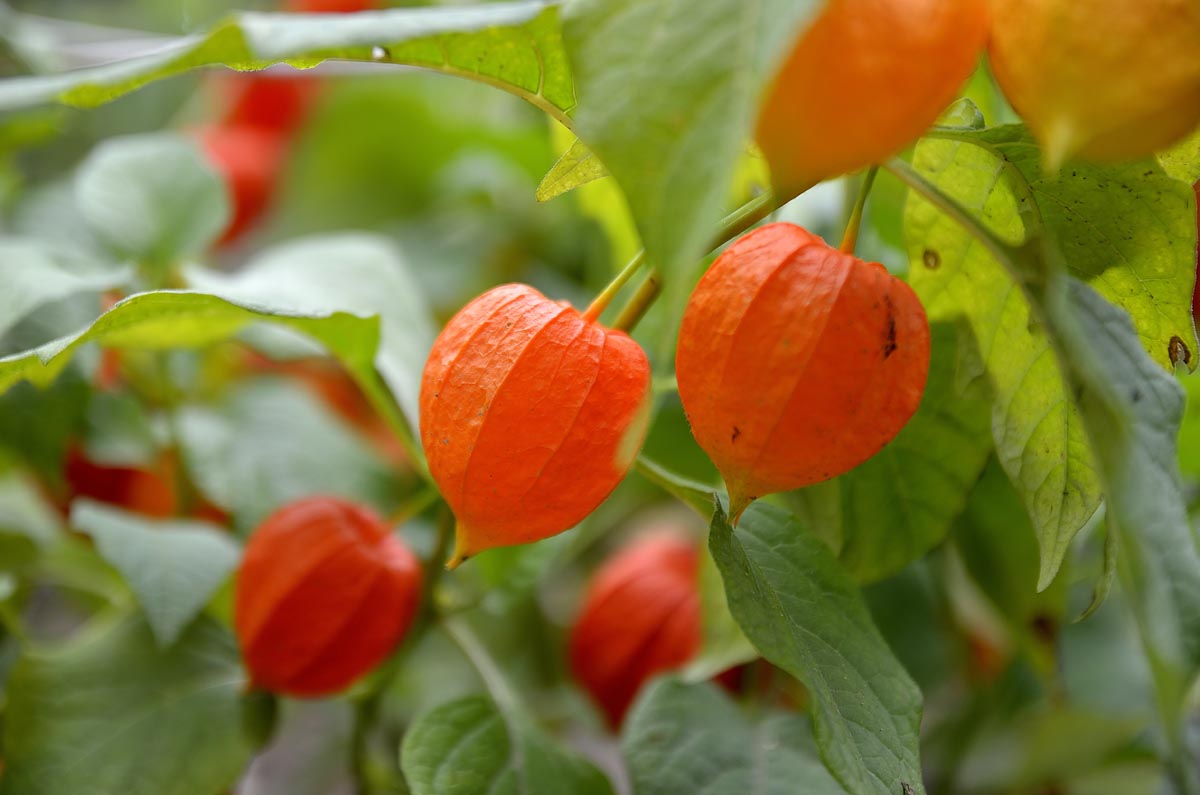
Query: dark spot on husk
pixel 736 433
pixel 1177 349
pixel 932 259
pixel 889 339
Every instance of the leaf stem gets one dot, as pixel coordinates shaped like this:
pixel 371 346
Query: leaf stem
pixel 1001 250
pixel 640 303
pixel 743 218
pixel 497 684
pixel 730 227
pixel 606 296
pixel 384 404
pixel 367 706
pixel 413 507
pixel 854 223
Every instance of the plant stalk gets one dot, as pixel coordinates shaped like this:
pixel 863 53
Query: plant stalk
pixel 641 302
pixel 854 223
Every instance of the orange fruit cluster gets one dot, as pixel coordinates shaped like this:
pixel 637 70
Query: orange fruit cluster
pixel 1100 79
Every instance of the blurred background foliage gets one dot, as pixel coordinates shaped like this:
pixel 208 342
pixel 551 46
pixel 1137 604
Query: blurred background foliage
pixel 1019 697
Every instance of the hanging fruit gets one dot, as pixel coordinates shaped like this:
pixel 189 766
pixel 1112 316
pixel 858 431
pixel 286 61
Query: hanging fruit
pixel 531 414
pixel 1101 79
pixel 640 618
pixel 324 593
pixel 797 362
pixel 864 81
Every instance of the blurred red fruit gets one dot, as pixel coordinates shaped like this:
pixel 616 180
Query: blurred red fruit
pixel 331 6
pixel 324 593
pixel 640 618
pixel 250 161
pixel 145 491
pixel 268 102
pixel 151 491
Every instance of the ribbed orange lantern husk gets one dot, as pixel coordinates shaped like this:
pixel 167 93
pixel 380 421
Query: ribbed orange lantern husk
pixel 640 618
pixel 797 362
pixel 324 593
pixel 531 414
pixel 864 81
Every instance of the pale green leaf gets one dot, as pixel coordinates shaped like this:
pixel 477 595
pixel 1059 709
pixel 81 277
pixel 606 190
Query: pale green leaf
pixel 1133 410
pixel 24 512
pixel 174 567
pixel 111 712
pixel 602 201
pixel 577 166
pixel 692 740
pixel 358 273
pixel 268 442
pixel 804 613
pixel 1130 409
pixel 174 319
pixel 514 46
pixel 151 198
pixel 34 275
pixel 27 524
pixel 667 94
pixel 1182 161
pixel 998 546
pixel 467 747
pixel 1126 229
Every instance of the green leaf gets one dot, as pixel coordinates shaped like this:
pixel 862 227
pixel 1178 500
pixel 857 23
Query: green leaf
pixel 111 712
pixel 27 524
pixel 999 548
pixel 173 567
pixel 23 511
pixel 151 198
pixel 667 94
pixel 358 273
pixel 467 747
pixel 514 46
pixel 1133 410
pixel 1127 230
pixel 723 644
pixel 1182 161
pixel 600 200
pixel 33 275
pixel 577 166
pixel 174 319
pixel 37 425
pixel 692 740
pixel 803 612
pixel 902 502
pixel 1189 434
pixel 268 443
